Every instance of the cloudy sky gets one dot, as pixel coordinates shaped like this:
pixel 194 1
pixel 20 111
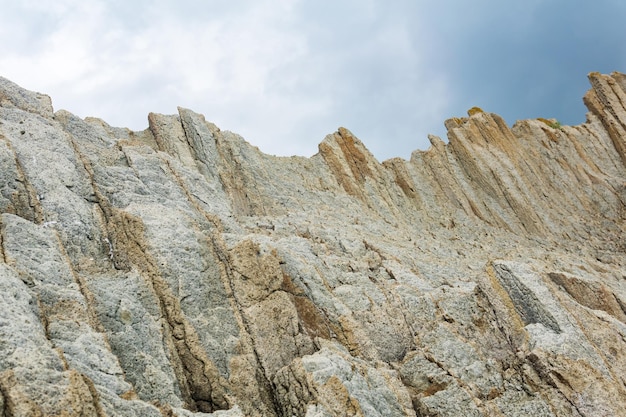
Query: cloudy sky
pixel 284 73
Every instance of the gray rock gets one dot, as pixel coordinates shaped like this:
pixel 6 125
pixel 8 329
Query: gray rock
pixel 179 271
pixel 12 95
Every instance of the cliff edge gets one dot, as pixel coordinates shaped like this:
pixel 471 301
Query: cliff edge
pixel 179 271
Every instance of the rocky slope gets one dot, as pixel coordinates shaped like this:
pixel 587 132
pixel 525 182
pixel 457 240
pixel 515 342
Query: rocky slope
pixel 179 271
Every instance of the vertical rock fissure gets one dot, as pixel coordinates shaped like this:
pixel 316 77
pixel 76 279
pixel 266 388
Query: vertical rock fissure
pixel 403 179
pixel 244 195
pixel 340 174
pixel 600 104
pixel 83 288
pixel 3 257
pixel 201 376
pixel 95 396
pixel 214 220
pixel 33 212
pixel 218 250
pixel 620 96
pixel 3 408
pixel 228 278
pixel 124 235
pixel 100 198
pixel 355 158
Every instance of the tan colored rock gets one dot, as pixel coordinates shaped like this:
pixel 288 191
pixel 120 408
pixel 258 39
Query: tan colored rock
pixel 179 271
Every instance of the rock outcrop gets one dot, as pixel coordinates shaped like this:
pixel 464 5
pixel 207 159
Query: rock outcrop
pixel 179 271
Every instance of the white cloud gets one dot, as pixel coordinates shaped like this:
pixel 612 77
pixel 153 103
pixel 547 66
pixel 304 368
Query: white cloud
pixel 284 73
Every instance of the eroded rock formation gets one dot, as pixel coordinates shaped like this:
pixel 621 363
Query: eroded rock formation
pixel 179 270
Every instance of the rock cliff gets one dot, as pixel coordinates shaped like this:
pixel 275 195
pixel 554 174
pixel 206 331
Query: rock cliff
pixel 179 271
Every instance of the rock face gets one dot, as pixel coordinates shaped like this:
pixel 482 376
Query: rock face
pixel 179 271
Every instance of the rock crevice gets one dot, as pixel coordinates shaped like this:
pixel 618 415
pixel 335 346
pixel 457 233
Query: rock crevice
pixel 179 271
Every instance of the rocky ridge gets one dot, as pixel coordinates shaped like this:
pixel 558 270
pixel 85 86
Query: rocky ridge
pixel 179 271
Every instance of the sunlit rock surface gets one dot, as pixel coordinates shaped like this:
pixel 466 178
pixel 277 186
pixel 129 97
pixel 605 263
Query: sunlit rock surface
pixel 179 271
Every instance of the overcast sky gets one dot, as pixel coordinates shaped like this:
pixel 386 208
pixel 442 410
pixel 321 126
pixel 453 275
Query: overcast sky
pixel 285 73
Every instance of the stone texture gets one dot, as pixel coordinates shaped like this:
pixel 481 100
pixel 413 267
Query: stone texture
pixel 179 271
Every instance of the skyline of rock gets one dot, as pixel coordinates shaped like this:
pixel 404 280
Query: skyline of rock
pixel 179 270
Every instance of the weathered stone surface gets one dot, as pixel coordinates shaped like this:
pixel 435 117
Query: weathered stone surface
pixel 179 271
